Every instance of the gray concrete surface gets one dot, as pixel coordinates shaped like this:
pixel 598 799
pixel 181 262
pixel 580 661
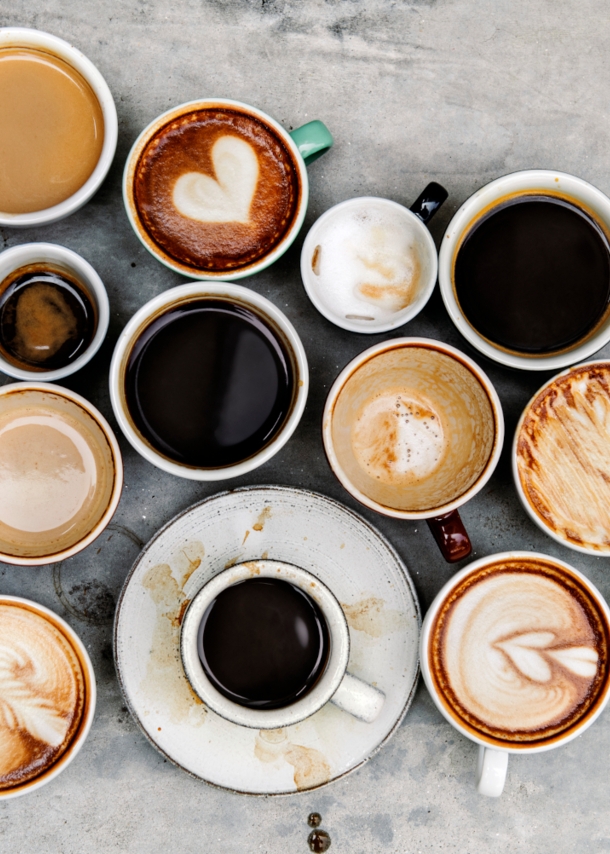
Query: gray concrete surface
pixel 459 91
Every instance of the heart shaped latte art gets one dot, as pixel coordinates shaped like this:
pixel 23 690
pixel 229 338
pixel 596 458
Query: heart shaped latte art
pixel 528 654
pixel 226 198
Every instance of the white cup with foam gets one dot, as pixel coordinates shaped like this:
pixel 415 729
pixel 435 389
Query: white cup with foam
pixel 522 660
pixel 369 264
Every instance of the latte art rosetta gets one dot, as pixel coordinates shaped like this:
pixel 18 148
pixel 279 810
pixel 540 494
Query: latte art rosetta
pixel 519 654
pixel 41 694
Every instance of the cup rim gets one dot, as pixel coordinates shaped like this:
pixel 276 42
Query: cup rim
pixel 38 39
pixel 117 488
pixel 162 303
pixel 90 686
pixel 603 553
pixel 326 684
pixel 395 344
pixel 401 317
pixel 426 631
pixel 28 253
pixel 458 227
pixel 129 204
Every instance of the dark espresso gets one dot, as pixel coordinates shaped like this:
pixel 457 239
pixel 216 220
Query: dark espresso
pixel 263 643
pixel 47 319
pixel 533 275
pixel 209 384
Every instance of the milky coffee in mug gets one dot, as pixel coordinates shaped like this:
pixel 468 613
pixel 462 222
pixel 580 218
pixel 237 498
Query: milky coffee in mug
pixel 48 695
pixel 514 652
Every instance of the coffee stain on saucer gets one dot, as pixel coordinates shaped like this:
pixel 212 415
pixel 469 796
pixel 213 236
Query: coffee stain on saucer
pixel 165 683
pixel 373 618
pixel 246 535
pixel 310 766
pixel 262 518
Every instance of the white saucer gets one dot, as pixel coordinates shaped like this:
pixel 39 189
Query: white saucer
pixel 299 527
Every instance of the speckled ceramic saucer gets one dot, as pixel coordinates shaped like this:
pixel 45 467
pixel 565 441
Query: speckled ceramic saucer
pixel 310 531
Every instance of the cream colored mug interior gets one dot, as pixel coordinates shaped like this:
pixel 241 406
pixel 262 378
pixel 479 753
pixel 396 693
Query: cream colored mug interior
pixel 412 396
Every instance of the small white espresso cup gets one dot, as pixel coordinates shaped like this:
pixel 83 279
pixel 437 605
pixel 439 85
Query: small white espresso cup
pixel 349 693
pixel 529 182
pixel 58 256
pixel 493 754
pixel 393 231
pixel 38 40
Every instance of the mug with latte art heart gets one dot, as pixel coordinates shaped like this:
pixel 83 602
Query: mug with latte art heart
pixel 216 189
pixel 515 654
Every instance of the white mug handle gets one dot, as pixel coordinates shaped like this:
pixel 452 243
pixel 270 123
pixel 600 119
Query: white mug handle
pixel 491 771
pixel 358 698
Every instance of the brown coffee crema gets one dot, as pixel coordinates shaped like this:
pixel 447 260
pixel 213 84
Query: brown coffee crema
pixel 51 130
pixel 518 653
pixel 563 456
pixel 216 189
pixel 44 694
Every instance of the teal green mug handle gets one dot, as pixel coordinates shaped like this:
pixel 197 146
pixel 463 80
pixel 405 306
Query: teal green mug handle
pixel 312 140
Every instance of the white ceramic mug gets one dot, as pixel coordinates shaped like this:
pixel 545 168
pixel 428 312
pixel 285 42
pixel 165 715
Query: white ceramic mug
pixel 305 144
pixel 58 256
pixel 531 181
pixel 37 40
pixel 349 693
pixel 412 223
pixel 492 761
pixel 169 300
pixel 89 700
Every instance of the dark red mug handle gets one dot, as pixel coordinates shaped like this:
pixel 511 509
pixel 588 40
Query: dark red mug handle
pixel 450 535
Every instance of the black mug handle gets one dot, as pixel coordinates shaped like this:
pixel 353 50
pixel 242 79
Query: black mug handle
pixel 428 202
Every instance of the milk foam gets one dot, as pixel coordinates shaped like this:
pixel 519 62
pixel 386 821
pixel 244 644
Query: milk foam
pixel 519 652
pixel 398 436
pixel 47 472
pixel 228 196
pixel 41 693
pixel 366 263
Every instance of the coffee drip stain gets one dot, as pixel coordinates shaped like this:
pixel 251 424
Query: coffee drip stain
pixel 318 841
pixel 263 516
pixel 310 766
pixel 373 618
pixel 165 683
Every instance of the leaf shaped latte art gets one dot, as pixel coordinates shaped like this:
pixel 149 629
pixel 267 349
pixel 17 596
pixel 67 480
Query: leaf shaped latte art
pixel 22 706
pixel 527 653
pixel 228 196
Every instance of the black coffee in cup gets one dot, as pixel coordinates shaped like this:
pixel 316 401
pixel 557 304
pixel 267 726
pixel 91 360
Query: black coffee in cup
pixel 209 383
pixel 533 274
pixel 263 643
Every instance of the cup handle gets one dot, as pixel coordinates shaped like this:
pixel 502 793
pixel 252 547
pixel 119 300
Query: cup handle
pixel 491 771
pixel 450 535
pixel 313 140
pixel 427 204
pixel 358 698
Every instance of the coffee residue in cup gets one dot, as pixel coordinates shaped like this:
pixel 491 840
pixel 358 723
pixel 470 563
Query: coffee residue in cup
pixel 47 319
pixel 51 130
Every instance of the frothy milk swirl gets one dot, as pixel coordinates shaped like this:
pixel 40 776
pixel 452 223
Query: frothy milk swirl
pixel 519 654
pixel 41 694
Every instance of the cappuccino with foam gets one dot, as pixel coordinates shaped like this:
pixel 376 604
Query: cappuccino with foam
pixel 518 652
pixel 46 692
pixel 215 190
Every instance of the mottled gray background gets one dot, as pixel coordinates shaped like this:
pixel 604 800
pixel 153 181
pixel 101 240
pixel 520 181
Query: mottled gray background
pixel 459 91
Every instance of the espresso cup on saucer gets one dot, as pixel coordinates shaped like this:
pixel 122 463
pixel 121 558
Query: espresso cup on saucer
pixel 514 653
pixel 208 380
pixel 370 264
pixel 524 270
pixel 413 429
pixel 47 685
pixel 561 458
pixel 54 312
pixel 265 644
pixel 61 473
pixel 216 189
pixel 58 128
